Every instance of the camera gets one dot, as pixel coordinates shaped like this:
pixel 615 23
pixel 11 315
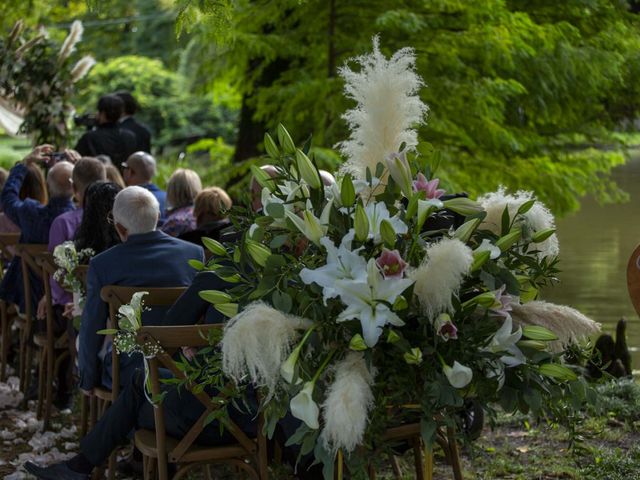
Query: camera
pixel 55 157
pixel 87 120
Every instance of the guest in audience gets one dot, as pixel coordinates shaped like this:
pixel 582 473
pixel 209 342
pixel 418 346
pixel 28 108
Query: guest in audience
pixel 129 122
pixel 108 137
pixel 33 218
pixel 96 231
pixel 146 257
pixel 139 169
pixel 182 188
pixel 210 210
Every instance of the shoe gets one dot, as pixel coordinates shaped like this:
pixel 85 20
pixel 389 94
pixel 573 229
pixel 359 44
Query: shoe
pixel 63 402
pixel 57 471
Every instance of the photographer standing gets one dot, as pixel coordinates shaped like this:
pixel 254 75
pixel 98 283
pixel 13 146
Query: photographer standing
pixel 129 122
pixel 108 138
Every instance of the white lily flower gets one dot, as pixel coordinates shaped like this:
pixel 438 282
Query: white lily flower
pixel 425 206
pixel 376 213
pixel 342 263
pixel 368 301
pixel 487 246
pixel 504 340
pixel 304 408
pixel 459 376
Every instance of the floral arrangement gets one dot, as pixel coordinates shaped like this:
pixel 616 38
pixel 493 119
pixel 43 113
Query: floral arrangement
pixel 37 75
pixel 68 259
pixel 355 299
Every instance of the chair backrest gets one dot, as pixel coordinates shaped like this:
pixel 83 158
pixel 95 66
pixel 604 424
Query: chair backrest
pixel 633 278
pixel 167 340
pixel 8 240
pixel 80 273
pixel 27 253
pixel 117 295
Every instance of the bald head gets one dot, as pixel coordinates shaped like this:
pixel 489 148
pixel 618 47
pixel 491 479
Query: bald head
pixel 139 169
pixel 58 180
pixel 256 189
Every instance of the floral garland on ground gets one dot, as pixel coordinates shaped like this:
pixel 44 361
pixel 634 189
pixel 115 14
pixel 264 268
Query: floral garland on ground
pixel 38 77
pixel 379 291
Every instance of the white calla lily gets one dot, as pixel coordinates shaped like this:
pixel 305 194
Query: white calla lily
pixel 304 408
pixel 459 376
pixel 369 300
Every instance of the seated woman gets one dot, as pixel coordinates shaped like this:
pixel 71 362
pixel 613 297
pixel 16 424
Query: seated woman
pixel 182 189
pixel 95 230
pixel 210 211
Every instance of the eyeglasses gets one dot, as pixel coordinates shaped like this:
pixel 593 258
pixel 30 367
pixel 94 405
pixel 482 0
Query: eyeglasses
pixel 110 219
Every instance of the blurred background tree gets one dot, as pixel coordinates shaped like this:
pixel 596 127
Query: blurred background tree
pixel 531 94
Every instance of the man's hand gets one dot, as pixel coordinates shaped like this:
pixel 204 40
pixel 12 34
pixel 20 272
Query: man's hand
pixel 41 312
pixel 72 155
pixel 39 154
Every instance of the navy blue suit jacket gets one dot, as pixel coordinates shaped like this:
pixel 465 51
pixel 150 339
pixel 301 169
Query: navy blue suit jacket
pixel 152 259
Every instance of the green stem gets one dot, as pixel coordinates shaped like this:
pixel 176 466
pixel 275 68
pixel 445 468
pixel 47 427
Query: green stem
pixel 323 366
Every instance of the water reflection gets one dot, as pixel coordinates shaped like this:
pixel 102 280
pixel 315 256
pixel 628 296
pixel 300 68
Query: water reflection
pixel 595 244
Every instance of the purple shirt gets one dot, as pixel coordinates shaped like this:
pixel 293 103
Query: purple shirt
pixel 62 230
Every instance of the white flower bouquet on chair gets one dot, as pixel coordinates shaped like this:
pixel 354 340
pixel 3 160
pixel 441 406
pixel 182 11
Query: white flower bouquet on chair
pixel 68 259
pixel 381 290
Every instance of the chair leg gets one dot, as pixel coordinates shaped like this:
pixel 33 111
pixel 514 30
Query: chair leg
pixel 6 346
pixel 417 459
pixel 52 363
pixel 93 411
pixel 395 465
pixel 42 373
pixel 112 465
pixel 28 355
pixel 84 415
pixel 455 454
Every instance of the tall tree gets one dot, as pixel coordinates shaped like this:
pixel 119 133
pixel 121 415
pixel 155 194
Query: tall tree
pixel 517 88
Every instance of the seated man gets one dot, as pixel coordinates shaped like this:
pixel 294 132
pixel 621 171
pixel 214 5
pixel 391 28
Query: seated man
pixel 147 257
pixel 33 218
pixel 139 169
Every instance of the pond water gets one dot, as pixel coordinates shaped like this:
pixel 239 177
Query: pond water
pixel 595 245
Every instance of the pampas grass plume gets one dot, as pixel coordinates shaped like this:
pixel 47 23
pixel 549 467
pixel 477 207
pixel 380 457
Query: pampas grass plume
pixel 69 44
pixel 347 405
pixel 81 68
pixel 387 107
pixel 537 218
pixel 567 323
pixel 440 275
pixel 257 341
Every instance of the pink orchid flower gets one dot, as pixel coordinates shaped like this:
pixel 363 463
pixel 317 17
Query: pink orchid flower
pixel 391 264
pixel 430 187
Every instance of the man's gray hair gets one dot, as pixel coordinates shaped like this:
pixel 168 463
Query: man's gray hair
pixel 136 209
pixel 144 164
pixel 59 180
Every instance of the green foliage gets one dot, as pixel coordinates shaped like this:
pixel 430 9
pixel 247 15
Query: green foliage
pixel 517 89
pixel 174 115
pixel 617 464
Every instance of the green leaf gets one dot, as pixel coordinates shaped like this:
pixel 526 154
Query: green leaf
pixel 506 221
pixel 282 301
pixel 428 429
pixel 542 235
pixel 275 210
pixel 197 264
pixel 107 331
pixel 536 332
pixel 227 309
pixel 215 296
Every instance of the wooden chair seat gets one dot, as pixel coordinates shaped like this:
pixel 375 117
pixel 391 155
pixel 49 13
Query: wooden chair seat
pixel 103 393
pixel 61 343
pixel 146 443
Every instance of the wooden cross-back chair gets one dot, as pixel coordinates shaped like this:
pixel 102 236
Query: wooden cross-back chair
pixel 247 454
pixel 115 296
pixel 27 253
pixel 633 278
pixel 80 273
pixel 7 312
pixel 53 348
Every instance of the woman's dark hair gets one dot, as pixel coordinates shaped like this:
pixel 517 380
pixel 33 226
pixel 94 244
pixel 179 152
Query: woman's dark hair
pixel 34 185
pixel 95 231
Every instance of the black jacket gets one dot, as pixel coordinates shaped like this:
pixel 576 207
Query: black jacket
pixel 108 139
pixel 141 132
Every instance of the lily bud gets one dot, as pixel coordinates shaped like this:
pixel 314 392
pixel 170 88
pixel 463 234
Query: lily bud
pixel 347 191
pixel 400 171
pixel 387 233
pixel 479 259
pixel 271 147
pixel 214 246
pixel 285 140
pixel 215 296
pixel 357 343
pixel 463 206
pixel 227 309
pixel 263 178
pixel 542 235
pixel 258 252
pixel 361 223
pixel 503 243
pixel 308 171
pixel 464 231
